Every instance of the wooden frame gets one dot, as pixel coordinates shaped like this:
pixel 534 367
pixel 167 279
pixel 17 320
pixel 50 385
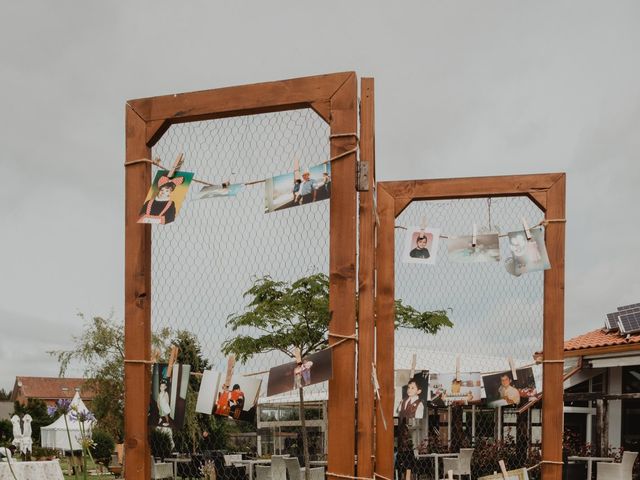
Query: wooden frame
pixel 547 191
pixel 334 98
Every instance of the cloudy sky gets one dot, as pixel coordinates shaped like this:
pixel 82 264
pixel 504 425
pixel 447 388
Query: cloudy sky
pixel 463 88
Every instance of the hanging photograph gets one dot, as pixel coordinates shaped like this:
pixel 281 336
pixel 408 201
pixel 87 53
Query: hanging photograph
pixel 421 245
pixel 165 197
pixel 314 369
pixel 237 400
pixel 487 248
pixel 295 189
pixel 445 390
pixel 219 191
pixel 518 474
pixel 502 390
pixel 528 255
pixel 168 395
pixel 411 393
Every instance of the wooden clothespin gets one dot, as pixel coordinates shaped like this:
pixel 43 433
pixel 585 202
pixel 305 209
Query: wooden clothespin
pixel 413 366
pixel 407 474
pixel 458 368
pixel 298 355
pixel 376 389
pixel 474 236
pixel 231 362
pixel 172 359
pixel 450 474
pixel 527 230
pixel 296 168
pixel 512 366
pixel 503 469
pixel 423 223
pixel 176 165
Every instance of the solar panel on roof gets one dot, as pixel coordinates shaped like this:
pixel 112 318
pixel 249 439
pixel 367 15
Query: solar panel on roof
pixel 629 322
pixel 633 306
pixel 611 322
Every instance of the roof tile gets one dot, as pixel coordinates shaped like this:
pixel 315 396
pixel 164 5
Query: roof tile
pixel 599 338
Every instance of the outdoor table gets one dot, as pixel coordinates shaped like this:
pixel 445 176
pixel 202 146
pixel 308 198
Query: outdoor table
pixel 49 470
pixel 250 463
pixel 176 461
pixel 436 459
pixel 590 461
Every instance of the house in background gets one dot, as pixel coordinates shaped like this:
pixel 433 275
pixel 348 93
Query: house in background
pixel 602 400
pixel 50 389
pixel 6 410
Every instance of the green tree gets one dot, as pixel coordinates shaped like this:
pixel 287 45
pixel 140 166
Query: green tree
pixel 291 317
pixel 100 347
pixel 4 395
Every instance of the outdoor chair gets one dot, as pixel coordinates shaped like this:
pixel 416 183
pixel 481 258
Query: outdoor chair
pixel 461 465
pixel 263 472
pixel 160 470
pixel 115 466
pixel 278 468
pixel 617 471
pixel 297 473
pixel 226 472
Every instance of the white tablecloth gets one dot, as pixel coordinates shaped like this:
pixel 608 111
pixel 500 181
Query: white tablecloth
pixel 32 470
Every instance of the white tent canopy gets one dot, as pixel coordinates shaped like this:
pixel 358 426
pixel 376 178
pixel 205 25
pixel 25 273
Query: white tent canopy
pixel 55 435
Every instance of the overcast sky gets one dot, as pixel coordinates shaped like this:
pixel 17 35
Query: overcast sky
pixel 463 88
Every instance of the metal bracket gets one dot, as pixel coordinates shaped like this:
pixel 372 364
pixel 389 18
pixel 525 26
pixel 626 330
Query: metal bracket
pixel 362 176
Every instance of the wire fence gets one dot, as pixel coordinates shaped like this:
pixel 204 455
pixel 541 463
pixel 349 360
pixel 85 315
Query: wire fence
pixel 206 260
pixel 495 316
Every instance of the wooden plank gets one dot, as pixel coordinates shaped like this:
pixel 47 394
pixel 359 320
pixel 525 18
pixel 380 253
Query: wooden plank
pixel 630 347
pixel 385 315
pixel 404 192
pixel 553 345
pixel 342 273
pixel 241 100
pixel 137 306
pixel 366 280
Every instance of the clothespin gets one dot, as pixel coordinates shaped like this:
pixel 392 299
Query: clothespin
pixel 423 223
pixel 297 354
pixel 503 469
pixel 176 165
pixel 413 366
pixel 231 362
pixel 527 230
pixel 450 474
pixel 474 236
pixel 296 168
pixel 458 368
pixel 514 374
pixel 172 359
pixel 407 475
pixel 376 389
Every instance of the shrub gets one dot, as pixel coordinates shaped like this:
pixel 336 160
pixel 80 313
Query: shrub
pixel 161 443
pixel 103 446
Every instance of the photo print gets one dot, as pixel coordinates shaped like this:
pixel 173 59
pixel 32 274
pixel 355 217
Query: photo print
pixel 487 248
pixel 518 474
pixel 225 190
pixel 168 395
pixel 411 393
pixel 445 390
pixel 421 245
pixel 295 189
pixel 165 197
pixel 237 399
pixel 502 390
pixel 315 368
pixel 527 255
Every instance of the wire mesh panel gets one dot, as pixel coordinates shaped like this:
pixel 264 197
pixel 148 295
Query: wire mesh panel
pixel 206 260
pixel 495 316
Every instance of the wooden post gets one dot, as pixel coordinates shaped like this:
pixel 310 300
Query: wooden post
pixel 553 336
pixel 342 275
pixel 385 315
pixel 137 294
pixel 366 280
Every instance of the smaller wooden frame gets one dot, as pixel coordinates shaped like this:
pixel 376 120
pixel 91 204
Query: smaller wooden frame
pixel 547 191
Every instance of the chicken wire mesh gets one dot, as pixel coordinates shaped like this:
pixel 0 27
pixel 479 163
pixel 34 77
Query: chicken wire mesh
pixel 205 261
pixel 495 316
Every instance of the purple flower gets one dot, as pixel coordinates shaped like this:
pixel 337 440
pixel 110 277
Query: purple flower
pixel 81 416
pixel 61 407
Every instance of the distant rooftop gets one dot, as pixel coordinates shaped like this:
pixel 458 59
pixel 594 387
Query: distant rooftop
pixel 49 388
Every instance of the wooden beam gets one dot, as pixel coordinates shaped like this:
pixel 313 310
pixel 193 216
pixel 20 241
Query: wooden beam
pixel 366 285
pixel 539 198
pixel 587 397
pixel 323 109
pixel 342 274
pixel 583 352
pixel 241 100
pixel 553 346
pixel 385 330
pixel 155 130
pixel 137 291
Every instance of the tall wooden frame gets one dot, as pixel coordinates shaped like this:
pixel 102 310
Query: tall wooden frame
pixel 547 191
pixel 334 98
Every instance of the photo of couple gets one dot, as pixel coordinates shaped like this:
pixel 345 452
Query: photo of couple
pixel 295 188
